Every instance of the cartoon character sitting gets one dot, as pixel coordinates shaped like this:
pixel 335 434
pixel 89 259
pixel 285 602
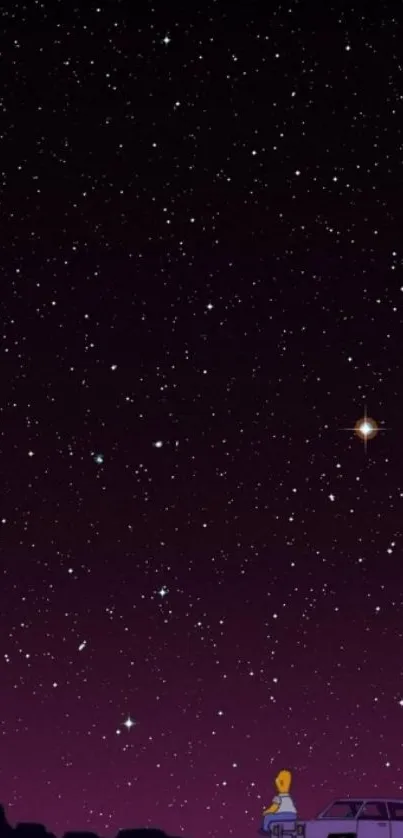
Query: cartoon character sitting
pixel 282 807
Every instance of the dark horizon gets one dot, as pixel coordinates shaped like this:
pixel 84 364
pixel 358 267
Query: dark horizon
pixel 33 829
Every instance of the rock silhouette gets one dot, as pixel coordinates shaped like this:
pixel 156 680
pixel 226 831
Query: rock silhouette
pixel 5 829
pixel 25 829
pixel 142 832
pixel 79 834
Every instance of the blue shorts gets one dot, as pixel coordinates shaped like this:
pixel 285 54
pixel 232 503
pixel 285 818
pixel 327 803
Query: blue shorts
pixel 277 818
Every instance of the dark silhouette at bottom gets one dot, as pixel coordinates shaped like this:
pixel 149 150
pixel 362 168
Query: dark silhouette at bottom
pixel 38 830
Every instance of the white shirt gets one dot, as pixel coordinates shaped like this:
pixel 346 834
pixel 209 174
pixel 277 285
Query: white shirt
pixel 286 804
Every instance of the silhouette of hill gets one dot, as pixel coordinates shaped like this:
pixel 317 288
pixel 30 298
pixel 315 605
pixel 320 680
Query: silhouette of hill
pixel 141 832
pixel 5 829
pixel 26 829
pixel 79 834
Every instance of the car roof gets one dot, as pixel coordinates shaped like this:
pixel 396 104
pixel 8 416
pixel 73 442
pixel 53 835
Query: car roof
pixel 369 800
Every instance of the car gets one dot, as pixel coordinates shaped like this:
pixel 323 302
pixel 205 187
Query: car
pixel 369 817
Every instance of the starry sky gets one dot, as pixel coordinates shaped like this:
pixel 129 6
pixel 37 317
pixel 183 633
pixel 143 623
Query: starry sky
pixel 201 274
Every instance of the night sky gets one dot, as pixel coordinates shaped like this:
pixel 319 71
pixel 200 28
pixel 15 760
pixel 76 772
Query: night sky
pixel 201 294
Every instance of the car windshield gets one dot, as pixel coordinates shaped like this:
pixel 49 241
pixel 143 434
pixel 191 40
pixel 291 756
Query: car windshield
pixel 343 809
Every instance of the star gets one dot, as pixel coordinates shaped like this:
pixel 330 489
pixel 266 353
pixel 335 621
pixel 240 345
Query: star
pixel 129 723
pixel 366 428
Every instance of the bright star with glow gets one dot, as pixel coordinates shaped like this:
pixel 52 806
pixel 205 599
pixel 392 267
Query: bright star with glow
pixel 366 428
pixel 129 723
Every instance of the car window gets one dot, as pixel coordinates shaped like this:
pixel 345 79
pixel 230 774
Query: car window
pixel 343 809
pixel 396 810
pixel 374 811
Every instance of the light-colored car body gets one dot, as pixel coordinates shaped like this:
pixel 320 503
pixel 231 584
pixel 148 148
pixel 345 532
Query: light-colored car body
pixel 371 817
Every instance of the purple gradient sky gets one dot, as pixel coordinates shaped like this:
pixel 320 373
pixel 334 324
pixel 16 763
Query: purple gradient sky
pixel 200 248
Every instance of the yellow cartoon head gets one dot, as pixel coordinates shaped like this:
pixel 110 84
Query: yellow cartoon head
pixel 283 781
